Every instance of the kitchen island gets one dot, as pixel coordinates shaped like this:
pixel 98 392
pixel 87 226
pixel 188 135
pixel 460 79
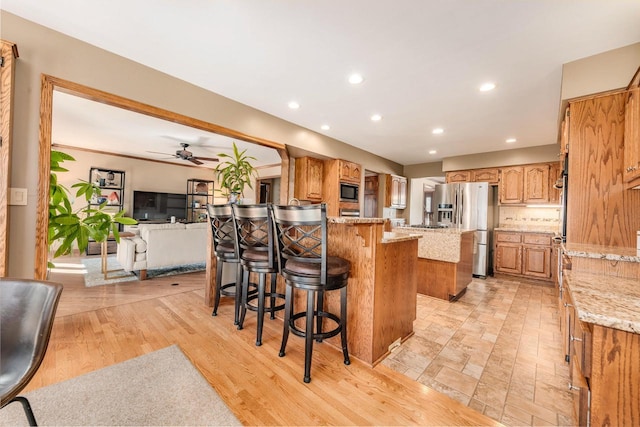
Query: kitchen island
pixel 445 261
pixel 381 294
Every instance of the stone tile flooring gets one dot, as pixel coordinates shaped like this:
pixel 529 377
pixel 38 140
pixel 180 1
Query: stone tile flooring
pixel 497 350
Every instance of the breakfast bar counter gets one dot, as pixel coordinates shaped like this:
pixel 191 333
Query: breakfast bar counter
pixel 381 294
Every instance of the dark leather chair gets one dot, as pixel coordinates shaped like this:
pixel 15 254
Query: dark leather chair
pixel 27 310
pixel 254 233
pixel 225 249
pixel 301 232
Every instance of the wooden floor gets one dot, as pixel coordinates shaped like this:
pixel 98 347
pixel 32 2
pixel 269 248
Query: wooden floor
pixel 98 327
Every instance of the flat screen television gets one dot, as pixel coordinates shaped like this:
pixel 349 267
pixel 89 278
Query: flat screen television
pixel 153 206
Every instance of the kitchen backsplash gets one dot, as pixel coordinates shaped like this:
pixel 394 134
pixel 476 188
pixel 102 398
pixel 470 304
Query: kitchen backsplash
pixel 529 218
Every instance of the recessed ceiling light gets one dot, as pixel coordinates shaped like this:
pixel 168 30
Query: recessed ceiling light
pixel 510 140
pixel 486 87
pixel 376 118
pixel 432 151
pixel 325 127
pixel 437 131
pixel 356 79
pixel 294 105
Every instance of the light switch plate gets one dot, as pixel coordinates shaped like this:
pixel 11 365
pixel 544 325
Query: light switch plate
pixel 18 196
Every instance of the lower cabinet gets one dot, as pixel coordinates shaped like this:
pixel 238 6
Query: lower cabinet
pixel 604 369
pixel 523 254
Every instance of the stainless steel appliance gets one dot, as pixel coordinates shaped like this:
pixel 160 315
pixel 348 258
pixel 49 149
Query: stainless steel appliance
pixel 349 192
pixel 469 206
pixel 350 212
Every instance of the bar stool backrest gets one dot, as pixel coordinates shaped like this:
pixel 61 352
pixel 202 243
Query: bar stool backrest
pixel 223 228
pixel 301 233
pixel 254 229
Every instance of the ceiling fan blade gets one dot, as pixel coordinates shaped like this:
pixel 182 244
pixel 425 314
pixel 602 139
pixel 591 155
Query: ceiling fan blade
pixel 194 161
pixel 210 159
pixel 166 154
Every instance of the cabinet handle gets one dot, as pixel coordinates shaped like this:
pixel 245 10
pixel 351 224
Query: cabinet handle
pixel 566 304
pixel 575 338
pixel 572 387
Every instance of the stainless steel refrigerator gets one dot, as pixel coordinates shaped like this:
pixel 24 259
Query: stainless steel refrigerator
pixel 469 206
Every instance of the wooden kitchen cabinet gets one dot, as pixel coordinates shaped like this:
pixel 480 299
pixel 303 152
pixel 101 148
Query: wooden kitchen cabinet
pixel 458 176
pixel 555 174
pixel 564 134
pixel 490 175
pixel 512 185
pixel 396 192
pixel 536 183
pixel 523 254
pixel 308 179
pixel 631 170
pixel 350 172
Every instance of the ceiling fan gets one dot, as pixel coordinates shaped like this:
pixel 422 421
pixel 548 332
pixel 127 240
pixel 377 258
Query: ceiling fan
pixel 185 154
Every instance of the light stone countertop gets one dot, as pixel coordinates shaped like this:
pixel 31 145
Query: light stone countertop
pixel 581 250
pixel 392 236
pixel 440 244
pixel 354 220
pixel 604 300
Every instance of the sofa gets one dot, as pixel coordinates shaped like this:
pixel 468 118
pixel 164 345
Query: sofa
pixel 163 245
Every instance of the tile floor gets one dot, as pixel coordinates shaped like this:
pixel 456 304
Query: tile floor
pixel 497 350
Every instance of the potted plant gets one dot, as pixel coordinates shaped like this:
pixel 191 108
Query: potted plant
pixel 235 173
pixel 71 228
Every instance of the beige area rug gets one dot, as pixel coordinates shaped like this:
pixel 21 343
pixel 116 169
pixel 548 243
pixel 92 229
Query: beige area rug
pixel 161 388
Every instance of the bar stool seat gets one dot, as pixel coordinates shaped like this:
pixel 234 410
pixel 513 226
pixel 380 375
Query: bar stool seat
pixel 301 232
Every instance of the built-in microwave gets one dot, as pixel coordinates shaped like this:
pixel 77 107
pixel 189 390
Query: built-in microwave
pixel 349 192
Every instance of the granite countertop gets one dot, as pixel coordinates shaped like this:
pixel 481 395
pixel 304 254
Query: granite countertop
pixel 448 230
pixel 440 244
pixel 581 250
pixel 528 229
pixel 603 300
pixel 391 237
pixel 354 220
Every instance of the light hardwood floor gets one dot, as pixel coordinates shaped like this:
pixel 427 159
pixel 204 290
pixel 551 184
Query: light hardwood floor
pixel 98 327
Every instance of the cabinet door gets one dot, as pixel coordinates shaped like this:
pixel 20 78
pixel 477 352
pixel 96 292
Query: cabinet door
pixel 555 173
pixel 536 183
pixel 350 172
pixel 509 258
pixel 564 136
pixel 485 175
pixel 511 185
pixel 308 179
pixel 632 136
pixel 537 261
pixel 458 176
pixel 402 193
pixel 355 172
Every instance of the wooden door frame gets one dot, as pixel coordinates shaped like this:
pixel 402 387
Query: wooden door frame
pixel 51 83
pixel 9 53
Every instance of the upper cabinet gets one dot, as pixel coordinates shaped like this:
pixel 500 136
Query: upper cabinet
pixel 396 192
pixel 564 134
pixel 529 184
pixel 458 176
pixel 511 185
pixel 350 172
pixel 308 179
pixel 631 171
pixel 490 175
pixel 536 183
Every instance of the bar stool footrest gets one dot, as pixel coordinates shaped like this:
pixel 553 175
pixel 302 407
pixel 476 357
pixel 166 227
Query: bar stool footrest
pixel 254 296
pixel 318 336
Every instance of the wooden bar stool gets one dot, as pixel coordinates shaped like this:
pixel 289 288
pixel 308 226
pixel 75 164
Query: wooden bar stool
pixel 254 234
pixel 226 250
pixel 301 232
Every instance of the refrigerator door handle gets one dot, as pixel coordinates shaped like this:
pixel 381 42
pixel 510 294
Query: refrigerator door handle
pixel 462 207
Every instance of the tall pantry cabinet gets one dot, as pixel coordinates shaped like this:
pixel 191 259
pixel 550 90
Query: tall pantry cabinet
pixel 600 208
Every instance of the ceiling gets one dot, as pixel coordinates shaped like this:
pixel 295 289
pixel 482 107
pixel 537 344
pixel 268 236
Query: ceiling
pixel 79 122
pixel 422 61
